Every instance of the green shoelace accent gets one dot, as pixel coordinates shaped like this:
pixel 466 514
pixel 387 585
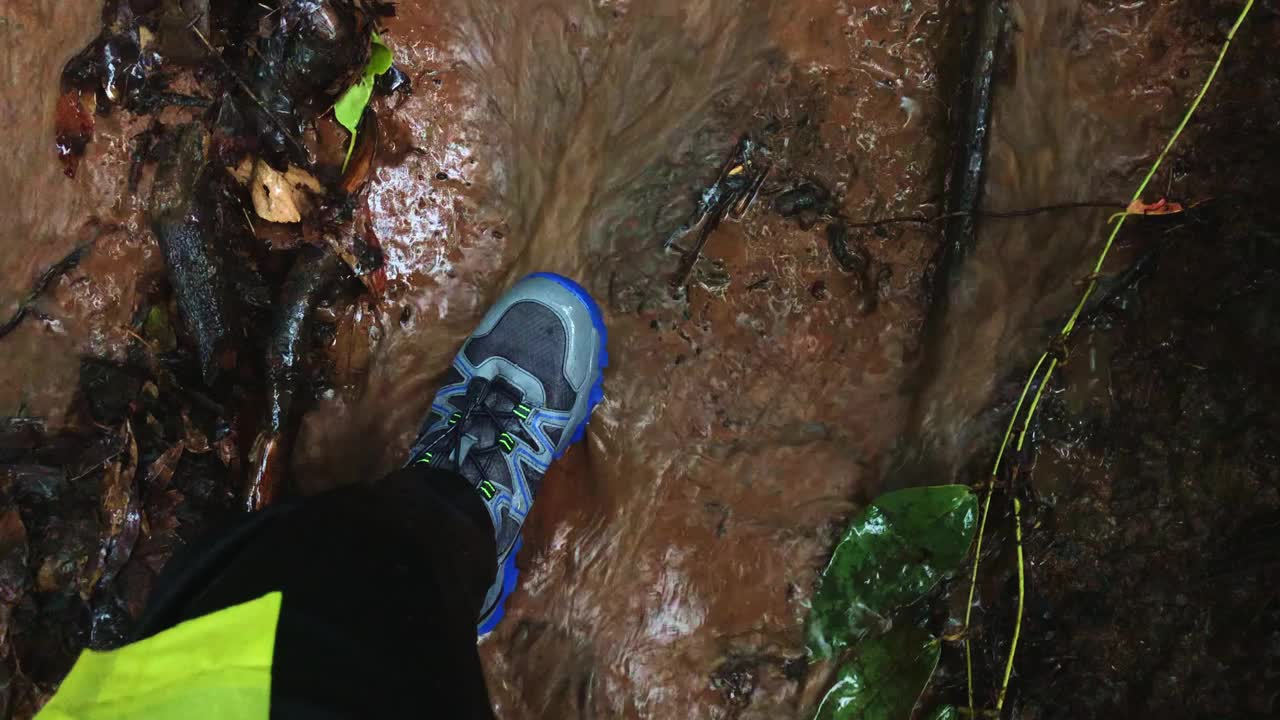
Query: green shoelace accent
pixel 506 442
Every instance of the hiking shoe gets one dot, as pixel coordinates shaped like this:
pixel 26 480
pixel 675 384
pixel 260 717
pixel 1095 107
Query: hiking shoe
pixel 518 395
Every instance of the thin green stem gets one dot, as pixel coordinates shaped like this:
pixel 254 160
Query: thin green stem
pixel 1063 336
pixel 1022 596
pixel 973 583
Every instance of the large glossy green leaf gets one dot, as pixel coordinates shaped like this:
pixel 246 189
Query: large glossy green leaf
pixel 894 552
pixel 884 677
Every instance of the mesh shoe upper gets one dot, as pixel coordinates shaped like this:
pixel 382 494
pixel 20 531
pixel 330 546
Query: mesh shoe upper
pixel 516 397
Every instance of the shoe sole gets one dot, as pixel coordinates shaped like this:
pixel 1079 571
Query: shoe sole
pixel 510 574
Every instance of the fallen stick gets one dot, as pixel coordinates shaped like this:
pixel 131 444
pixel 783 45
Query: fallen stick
pixel 57 270
pixel 194 254
pixel 314 272
pixel 964 191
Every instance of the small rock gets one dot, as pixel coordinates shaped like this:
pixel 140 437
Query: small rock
pixel 803 197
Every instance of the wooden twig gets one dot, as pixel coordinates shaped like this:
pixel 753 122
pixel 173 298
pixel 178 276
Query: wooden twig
pixel 998 214
pixel 57 270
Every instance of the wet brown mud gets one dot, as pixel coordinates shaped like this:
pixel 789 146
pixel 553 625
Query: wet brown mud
pixel 667 566
pixel 680 542
pixel 49 214
pixel 1076 119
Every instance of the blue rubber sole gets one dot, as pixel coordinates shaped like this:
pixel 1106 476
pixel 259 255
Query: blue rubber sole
pixel 510 574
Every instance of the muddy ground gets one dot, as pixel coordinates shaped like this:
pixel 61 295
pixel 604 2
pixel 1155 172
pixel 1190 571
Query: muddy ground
pixel 667 567
pixel 1154 493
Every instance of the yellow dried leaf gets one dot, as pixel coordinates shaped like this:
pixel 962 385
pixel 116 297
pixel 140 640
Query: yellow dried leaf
pixel 243 172
pixel 282 196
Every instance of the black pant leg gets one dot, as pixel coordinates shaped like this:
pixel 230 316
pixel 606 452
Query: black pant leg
pixel 381 587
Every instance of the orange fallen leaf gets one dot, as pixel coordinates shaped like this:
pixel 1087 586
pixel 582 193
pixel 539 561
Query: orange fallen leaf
pixel 1159 207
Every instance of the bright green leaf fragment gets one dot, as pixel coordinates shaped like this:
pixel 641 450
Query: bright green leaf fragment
pixel 350 107
pixel 944 712
pixel 156 328
pixel 884 678
pixel 894 552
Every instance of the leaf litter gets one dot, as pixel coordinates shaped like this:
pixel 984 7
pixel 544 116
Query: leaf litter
pixel 250 205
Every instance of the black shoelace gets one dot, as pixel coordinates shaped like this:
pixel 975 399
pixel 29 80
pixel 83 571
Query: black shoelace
pixel 449 443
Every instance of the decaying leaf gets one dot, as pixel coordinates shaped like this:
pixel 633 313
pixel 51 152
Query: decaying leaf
pixel 360 249
pixel 163 467
pixel 884 678
pixel 243 172
pixel 228 452
pixel 69 552
pixel 893 553
pixel 266 470
pixel 282 196
pixel 160 521
pixel 359 164
pixel 13 567
pixel 1159 207
pixel 193 439
pixel 161 537
pixel 117 483
pixel 121 514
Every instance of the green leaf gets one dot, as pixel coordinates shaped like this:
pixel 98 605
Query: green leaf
pixel 894 552
pixel 379 56
pixel 883 681
pixel 944 712
pixel 350 107
pixel 156 327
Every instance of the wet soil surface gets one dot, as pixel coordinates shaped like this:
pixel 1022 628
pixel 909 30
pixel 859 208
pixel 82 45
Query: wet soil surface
pixel 1151 504
pixel 50 214
pixel 668 562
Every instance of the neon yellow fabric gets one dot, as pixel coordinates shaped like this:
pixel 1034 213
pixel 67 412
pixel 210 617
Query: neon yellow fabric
pixel 216 666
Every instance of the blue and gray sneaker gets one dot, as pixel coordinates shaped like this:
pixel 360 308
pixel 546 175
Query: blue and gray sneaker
pixel 519 394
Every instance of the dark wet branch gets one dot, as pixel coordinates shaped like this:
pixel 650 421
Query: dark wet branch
pixel 313 274
pixel 195 256
pixel 736 187
pixel 1024 212
pixel 974 101
pixel 57 270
